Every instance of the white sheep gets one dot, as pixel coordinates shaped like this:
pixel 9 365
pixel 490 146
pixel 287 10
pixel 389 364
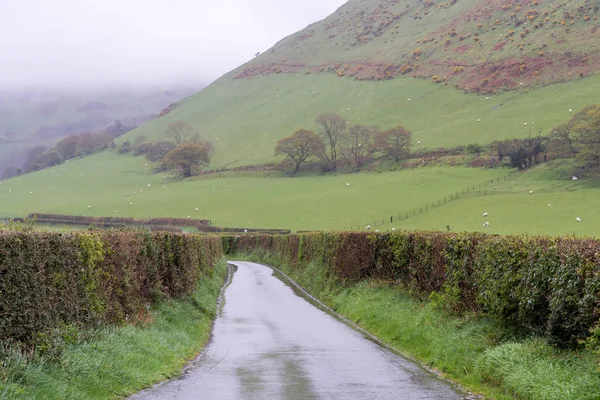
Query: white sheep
pixel 197 209
pixel 89 206
pixel 149 185
pixel 393 229
pixel 570 110
pixel 131 203
pixel 531 192
pixel 549 205
pixel 189 217
pixel 347 184
pixel 368 227
pixel 419 142
pixel 478 120
pixel 574 178
pixel 578 219
pixel 485 214
pixel 486 224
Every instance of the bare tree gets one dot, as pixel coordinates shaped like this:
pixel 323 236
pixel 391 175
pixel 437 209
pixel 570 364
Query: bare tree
pixel 333 126
pixel 356 144
pixel 393 143
pixel 188 158
pixel 299 147
pixel 180 132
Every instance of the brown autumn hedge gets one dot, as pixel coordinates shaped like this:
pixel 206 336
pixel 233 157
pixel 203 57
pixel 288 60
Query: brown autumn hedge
pixel 52 280
pixel 548 286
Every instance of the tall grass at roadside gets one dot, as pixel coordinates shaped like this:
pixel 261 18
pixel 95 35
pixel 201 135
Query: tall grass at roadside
pixel 118 361
pixel 475 352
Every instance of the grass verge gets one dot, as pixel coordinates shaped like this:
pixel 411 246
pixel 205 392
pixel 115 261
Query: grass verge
pixel 477 353
pixel 114 362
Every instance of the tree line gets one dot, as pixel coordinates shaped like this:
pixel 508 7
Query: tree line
pixel 72 146
pixel 337 144
pixel 578 138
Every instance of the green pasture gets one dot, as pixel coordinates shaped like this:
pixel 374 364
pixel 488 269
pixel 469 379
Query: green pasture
pixel 552 208
pixel 108 182
pixel 244 118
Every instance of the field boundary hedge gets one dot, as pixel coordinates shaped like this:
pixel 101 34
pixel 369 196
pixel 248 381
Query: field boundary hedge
pixel 49 281
pixel 548 286
pixel 165 224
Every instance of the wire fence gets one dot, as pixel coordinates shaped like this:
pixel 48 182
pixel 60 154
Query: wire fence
pixel 434 204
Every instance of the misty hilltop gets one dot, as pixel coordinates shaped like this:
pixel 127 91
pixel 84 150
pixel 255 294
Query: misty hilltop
pixel 41 117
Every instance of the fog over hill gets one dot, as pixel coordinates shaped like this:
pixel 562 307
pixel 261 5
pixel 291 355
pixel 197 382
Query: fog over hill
pixel 70 67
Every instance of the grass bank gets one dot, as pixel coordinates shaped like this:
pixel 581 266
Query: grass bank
pixel 115 362
pixel 477 353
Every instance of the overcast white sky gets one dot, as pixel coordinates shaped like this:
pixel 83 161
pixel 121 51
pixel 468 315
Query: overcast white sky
pixel 99 42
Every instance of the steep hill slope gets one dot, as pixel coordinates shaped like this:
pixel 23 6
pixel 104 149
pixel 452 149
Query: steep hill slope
pixel 245 117
pixel 428 65
pixel 477 45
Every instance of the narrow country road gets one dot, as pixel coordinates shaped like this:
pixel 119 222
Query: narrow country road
pixel 269 343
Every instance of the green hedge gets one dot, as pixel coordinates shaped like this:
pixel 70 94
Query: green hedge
pixel 52 280
pixel 543 285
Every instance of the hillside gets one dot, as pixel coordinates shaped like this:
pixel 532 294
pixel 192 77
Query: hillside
pixel 373 61
pixel 476 45
pixel 34 117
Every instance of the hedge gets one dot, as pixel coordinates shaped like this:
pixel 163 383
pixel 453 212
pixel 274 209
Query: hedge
pixel 546 286
pixel 52 280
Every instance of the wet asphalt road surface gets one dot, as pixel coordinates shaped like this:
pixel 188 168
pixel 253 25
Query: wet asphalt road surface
pixel 270 343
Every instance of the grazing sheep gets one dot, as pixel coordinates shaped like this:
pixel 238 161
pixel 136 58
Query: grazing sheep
pixel 478 120
pixel 578 219
pixel 393 229
pixel 131 203
pixel 485 214
pixel 148 185
pixel 531 192
pixel 574 178
pixel 486 224
pixel 549 205
pixel 89 206
pixel 347 184
pixel 197 209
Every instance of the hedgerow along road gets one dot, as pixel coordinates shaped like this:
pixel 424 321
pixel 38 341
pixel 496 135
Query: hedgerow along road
pixel 269 342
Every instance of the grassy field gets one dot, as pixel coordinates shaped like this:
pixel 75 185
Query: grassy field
pixel 553 207
pixel 109 182
pixel 245 117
